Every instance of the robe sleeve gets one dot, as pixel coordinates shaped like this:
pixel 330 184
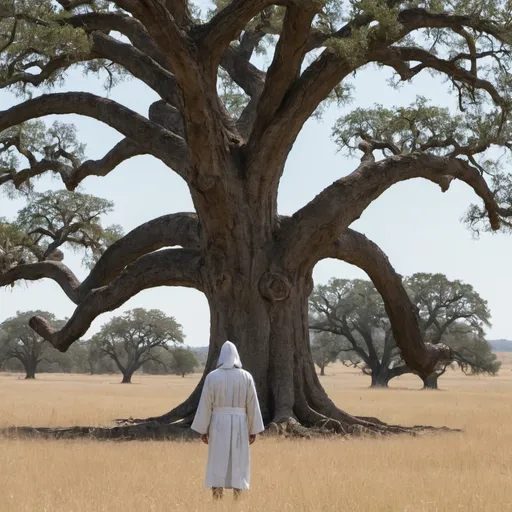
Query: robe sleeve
pixel 254 420
pixel 201 423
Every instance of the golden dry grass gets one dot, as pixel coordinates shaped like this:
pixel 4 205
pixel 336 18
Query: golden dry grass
pixel 445 473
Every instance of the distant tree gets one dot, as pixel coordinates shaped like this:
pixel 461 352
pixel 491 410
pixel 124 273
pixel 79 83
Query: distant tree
pixel 130 340
pixel 185 361
pixel 453 313
pixel 472 353
pixel 449 312
pixel 18 341
pixel 354 311
pixel 161 364
pixel 52 220
pixel 325 348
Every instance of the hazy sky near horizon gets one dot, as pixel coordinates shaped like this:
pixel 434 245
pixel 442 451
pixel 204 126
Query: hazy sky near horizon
pixel 417 226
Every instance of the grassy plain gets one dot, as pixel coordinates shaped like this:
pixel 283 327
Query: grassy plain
pixel 469 472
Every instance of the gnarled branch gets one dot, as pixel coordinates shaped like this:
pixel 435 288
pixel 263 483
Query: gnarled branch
pixel 179 229
pixel 54 270
pixel 356 249
pixel 151 137
pixel 129 26
pixel 319 223
pixel 73 176
pixel 171 267
pixel 139 64
pixel 216 35
pixel 285 68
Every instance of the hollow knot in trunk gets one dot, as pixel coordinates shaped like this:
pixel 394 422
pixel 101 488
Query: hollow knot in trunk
pixel 274 286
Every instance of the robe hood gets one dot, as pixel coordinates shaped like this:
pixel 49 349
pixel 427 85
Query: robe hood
pixel 229 357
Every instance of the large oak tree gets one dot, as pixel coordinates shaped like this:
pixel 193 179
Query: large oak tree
pixel 229 140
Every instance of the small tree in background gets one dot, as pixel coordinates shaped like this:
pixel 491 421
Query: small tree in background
pixel 185 361
pixel 131 340
pixel 453 313
pixel 325 348
pixel 353 313
pixel 472 353
pixel 18 341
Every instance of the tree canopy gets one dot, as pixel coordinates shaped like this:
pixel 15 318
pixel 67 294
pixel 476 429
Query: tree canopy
pixel 325 348
pixel 226 124
pixel 18 341
pixel 130 340
pixel 185 361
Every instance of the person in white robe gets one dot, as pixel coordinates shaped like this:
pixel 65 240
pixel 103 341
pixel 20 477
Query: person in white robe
pixel 228 418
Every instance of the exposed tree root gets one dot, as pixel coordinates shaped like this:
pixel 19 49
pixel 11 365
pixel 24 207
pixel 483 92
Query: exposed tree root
pixel 288 428
pixel 140 432
pixel 330 428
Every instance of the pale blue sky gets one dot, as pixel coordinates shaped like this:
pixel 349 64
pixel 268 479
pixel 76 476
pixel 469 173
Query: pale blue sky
pixel 414 223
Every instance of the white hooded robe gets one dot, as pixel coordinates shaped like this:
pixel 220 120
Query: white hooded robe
pixel 228 412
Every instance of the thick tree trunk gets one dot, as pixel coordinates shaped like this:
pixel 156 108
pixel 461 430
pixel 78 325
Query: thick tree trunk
pixel 322 370
pixel 30 369
pixel 431 382
pixel 30 373
pixel 268 322
pixel 380 379
pixel 127 378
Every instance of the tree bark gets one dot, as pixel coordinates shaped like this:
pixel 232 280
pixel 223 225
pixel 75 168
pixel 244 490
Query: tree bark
pixel 431 382
pixel 380 378
pixel 127 378
pixel 30 372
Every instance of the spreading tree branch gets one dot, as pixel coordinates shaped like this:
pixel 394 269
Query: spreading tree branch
pixel 73 176
pixel 139 64
pixel 152 138
pixel 285 68
pixel 399 57
pixel 171 267
pixel 180 229
pixel 54 270
pixel 319 223
pixel 128 26
pixel 215 36
pixel 356 249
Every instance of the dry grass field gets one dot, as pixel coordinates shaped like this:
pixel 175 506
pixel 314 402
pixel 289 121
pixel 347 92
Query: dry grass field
pixel 469 472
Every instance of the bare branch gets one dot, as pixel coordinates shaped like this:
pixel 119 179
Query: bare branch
pixel 215 36
pixel 319 223
pixel 176 44
pixel 73 176
pixel 54 270
pixel 180 229
pixel 243 73
pixel 397 58
pixel 151 137
pixel 285 68
pixel 171 267
pixel 129 26
pixel 140 65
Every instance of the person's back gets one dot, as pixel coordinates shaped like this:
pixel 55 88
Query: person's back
pixel 228 418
